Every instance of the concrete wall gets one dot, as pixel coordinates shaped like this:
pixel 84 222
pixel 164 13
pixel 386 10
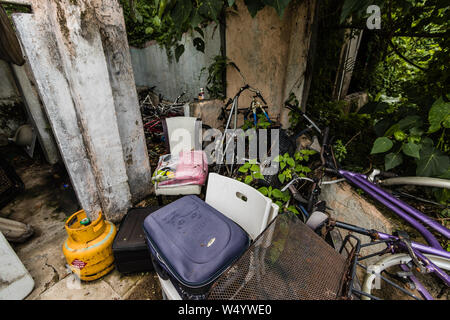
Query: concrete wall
pixel 8 90
pixel 271 53
pixel 152 67
pixel 12 114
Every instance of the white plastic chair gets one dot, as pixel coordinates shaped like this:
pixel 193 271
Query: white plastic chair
pixel 243 204
pixel 184 134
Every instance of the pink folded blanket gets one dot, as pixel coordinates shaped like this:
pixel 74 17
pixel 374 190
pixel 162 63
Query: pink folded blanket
pixel 191 169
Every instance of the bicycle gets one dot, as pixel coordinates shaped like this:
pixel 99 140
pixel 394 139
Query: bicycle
pixel 431 258
pixel 153 115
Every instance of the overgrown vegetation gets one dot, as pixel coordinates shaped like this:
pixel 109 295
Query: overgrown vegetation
pixel 404 69
pixel 290 167
pixel 165 21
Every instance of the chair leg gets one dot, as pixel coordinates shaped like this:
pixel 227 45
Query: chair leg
pixel 160 202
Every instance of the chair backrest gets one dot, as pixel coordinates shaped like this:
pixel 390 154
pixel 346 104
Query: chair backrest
pixel 184 134
pixel 243 204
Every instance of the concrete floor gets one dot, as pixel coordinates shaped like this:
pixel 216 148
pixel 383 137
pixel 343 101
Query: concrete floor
pixel 45 207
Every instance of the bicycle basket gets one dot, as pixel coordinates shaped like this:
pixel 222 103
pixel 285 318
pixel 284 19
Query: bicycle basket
pixel 287 261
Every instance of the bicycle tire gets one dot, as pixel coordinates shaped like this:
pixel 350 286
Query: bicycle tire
pixel 397 259
pixel 418 181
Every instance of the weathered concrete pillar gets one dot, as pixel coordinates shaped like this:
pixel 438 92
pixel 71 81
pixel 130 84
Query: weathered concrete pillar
pixel 271 52
pixel 38 39
pixel 117 52
pixel 83 80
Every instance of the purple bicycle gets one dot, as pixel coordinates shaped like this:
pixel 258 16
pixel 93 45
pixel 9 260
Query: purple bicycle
pixel 415 259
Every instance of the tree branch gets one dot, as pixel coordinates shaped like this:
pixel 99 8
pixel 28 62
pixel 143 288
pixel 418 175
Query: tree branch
pixel 405 58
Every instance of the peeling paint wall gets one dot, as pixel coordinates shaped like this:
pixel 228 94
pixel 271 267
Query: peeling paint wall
pixel 271 53
pixel 152 67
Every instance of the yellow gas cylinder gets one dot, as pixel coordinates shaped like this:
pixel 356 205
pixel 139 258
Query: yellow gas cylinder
pixel 88 249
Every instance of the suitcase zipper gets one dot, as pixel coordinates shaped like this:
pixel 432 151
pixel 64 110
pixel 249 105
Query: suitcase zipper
pixel 176 276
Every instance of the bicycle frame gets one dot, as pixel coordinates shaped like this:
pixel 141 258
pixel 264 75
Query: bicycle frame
pixel 395 245
pixel 406 212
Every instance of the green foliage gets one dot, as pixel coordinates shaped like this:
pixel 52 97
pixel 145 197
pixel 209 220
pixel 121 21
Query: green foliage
pixel 289 167
pixel 165 21
pixel 216 75
pixel 410 139
pixel 340 150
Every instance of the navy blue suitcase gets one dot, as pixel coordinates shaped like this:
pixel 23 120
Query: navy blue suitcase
pixel 192 244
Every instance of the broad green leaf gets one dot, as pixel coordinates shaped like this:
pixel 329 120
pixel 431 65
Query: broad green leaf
pixel 277 193
pixel 199 44
pixel 258 175
pixel 415 131
pixel 248 179
pixel 263 190
pixel 391 130
pixel 195 18
pixel 392 160
pixel 243 169
pixel 255 168
pixel 282 165
pixel 293 209
pixel 381 126
pixel 211 9
pixel 410 122
pixel 290 162
pixel 381 145
pixel 439 114
pixel 200 31
pixel 181 12
pixel 446 174
pixel 281 177
pixel 148 30
pixel 308 152
pixel 253 6
pixel 179 51
pixel 411 149
pixel 432 162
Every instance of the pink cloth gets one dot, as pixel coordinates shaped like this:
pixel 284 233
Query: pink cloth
pixel 191 168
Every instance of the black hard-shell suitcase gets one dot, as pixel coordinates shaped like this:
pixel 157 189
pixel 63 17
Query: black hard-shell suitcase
pixel 129 247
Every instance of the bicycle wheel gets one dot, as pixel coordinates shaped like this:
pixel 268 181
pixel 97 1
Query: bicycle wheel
pixel 417 181
pixel 396 260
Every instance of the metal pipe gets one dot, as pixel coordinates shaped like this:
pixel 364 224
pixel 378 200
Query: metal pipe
pixel 418 246
pixel 412 211
pixel 426 234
